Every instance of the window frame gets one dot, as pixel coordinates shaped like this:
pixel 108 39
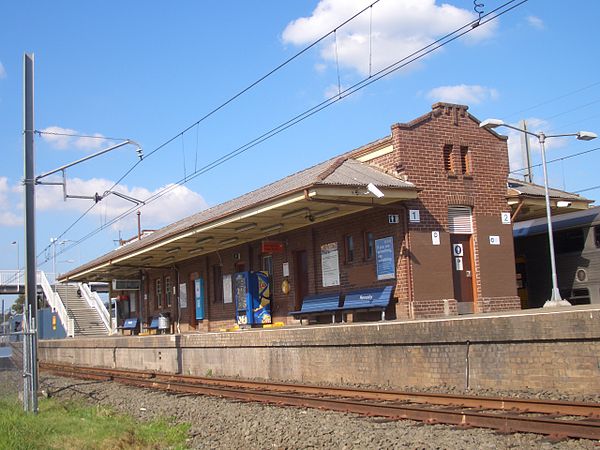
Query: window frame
pixel 349 249
pixel 168 293
pixel 369 245
pixel 465 160
pixel 158 292
pixel 448 152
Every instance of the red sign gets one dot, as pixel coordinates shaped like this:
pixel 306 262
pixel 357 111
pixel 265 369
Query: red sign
pixel 271 247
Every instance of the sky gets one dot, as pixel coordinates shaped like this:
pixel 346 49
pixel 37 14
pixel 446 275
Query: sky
pixel 148 70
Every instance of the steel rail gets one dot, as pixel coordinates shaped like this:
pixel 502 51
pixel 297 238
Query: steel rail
pixel 559 408
pixel 457 415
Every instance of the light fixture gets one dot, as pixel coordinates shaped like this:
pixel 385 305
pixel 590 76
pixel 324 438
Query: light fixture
pixel 491 123
pixel 374 190
pixel 228 241
pixel 174 250
pixel 195 250
pixel 168 258
pixel 325 213
pixel 146 258
pixel 296 213
pixel 273 227
pixel 247 227
pixel 586 135
pixel 563 204
pixel 204 240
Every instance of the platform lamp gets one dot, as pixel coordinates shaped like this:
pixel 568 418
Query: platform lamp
pixel 555 298
pixel 18 263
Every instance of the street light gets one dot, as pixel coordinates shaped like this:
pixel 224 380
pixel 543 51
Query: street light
pixel 555 298
pixel 18 264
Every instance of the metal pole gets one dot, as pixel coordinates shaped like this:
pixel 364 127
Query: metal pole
pixel 30 263
pixel 555 298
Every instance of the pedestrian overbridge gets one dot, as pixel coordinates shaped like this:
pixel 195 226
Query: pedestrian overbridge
pixel 77 305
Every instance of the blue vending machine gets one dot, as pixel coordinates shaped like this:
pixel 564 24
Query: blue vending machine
pixel 252 295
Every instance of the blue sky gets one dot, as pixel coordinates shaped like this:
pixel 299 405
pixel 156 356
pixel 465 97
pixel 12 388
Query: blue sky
pixel 147 70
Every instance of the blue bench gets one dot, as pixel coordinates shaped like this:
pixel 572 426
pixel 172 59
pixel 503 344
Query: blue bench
pixel 131 325
pixel 154 324
pixel 376 299
pixel 314 305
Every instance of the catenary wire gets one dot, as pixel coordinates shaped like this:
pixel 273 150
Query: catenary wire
pixel 308 113
pixel 450 37
pixel 207 115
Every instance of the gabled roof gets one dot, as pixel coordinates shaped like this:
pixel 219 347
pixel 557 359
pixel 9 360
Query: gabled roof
pixel 522 188
pixel 324 181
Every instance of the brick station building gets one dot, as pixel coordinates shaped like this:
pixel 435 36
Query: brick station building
pixel 438 212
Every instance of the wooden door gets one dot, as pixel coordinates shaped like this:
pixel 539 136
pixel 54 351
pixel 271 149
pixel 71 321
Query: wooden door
pixel 462 271
pixel 300 278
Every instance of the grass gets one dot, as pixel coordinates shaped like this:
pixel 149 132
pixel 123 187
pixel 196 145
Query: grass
pixel 74 426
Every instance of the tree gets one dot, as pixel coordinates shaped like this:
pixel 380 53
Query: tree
pixel 17 306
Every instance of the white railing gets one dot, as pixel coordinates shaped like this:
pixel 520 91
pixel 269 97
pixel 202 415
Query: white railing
pixel 14 278
pixel 94 300
pixel 56 304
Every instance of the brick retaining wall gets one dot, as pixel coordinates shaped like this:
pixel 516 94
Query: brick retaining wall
pixel 548 350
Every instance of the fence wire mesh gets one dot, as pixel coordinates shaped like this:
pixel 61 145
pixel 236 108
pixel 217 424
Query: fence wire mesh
pixel 11 365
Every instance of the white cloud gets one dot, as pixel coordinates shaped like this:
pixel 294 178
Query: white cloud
pixel 536 22
pixel 58 138
pixel 463 93
pixel 8 217
pixel 399 28
pixel 2 71
pixel 178 203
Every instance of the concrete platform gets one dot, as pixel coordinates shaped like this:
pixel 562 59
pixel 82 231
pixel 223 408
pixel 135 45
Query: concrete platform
pixel 540 349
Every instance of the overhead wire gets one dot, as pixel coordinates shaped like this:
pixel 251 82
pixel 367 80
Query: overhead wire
pixel 208 114
pixel 403 62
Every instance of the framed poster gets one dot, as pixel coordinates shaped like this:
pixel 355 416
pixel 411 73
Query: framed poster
pixel 199 298
pixel 330 266
pixel 182 295
pixel 227 289
pixel 384 253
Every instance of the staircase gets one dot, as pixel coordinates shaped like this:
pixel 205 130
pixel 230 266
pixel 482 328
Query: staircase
pixel 88 322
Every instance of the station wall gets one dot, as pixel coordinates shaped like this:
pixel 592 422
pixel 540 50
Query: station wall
pixel 552 350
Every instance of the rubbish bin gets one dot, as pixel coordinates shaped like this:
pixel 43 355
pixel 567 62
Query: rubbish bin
pixel 163 323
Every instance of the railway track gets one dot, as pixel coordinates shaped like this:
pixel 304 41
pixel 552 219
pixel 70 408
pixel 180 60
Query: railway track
pixel 556 419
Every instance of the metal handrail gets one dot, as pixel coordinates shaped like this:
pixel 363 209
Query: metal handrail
pixel 56 304
pixel 95 302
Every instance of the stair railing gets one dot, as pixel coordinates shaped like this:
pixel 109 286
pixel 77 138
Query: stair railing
pixel 55 302
pixel 94 300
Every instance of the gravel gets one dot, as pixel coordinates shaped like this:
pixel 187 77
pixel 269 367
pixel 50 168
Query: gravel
pixel 218 423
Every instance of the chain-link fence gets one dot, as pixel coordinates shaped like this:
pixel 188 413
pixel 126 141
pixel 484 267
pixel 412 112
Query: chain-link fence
pixel 11 363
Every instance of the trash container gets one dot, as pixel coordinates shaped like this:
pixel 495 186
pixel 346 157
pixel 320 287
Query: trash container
pixel 163 323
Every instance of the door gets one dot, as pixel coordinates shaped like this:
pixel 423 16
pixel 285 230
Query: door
pixel 300 278
pixel 462 272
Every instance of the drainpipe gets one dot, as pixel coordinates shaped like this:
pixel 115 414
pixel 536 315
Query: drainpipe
pixel 409 279
pixel 467 364
pixel 517 211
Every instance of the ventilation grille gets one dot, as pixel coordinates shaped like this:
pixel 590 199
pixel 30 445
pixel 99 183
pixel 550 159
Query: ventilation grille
pixel 460 220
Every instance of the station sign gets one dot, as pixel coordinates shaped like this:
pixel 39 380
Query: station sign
pixel 271 247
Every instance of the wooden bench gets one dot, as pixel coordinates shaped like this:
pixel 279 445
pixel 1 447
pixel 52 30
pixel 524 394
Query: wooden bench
pixel 131 325
pixel 314 305
pixel 376 299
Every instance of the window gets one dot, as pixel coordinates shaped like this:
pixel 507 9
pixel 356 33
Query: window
pixel 369 241
pixel 267 264
pixel 597 235
pixel 349 240
pixel 460 220
pixel 217 284
pixel 448 165
pixel 158 293
pixel 465 163
pixel 567 241
pixel 168 293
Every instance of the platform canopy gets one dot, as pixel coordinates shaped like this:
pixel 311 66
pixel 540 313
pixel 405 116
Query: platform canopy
pixel 528 201
pixel 329 190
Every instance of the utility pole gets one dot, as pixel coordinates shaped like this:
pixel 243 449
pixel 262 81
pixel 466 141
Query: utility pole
pixel 30 315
